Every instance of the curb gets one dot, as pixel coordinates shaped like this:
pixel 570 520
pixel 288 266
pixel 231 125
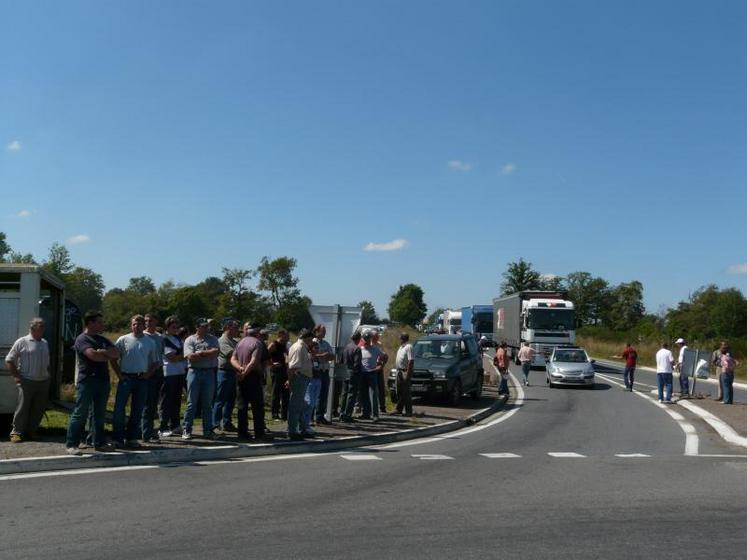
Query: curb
pixel 232 451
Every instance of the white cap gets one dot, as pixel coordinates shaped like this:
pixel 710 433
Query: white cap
pixel 680 341
pixel 483 337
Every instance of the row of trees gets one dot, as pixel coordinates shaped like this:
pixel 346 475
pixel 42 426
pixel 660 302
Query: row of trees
pixel 268 293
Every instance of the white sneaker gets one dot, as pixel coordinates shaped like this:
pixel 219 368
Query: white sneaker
pixel 186 436
pixel 165 433
pixel 73 451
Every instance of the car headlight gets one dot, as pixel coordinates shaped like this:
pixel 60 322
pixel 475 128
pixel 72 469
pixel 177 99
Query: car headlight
pixel 439 375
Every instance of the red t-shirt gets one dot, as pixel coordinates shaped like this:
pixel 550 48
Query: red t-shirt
pixel 631 356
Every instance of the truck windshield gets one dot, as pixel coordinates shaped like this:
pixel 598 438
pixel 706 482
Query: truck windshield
pixel 484 323
pixel 551 319
pixel 429 349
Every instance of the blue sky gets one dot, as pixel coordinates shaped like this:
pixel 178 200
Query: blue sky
pixel 174 138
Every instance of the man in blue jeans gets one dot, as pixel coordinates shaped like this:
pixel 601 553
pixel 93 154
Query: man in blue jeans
pixel 300 368
pixel 93 353
pixel 225 394
pixel 138 360
pixel 201 352
pixel 664 365
pixel 371 358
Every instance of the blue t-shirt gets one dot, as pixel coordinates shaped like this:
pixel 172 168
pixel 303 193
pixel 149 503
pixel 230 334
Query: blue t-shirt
pixel 87 367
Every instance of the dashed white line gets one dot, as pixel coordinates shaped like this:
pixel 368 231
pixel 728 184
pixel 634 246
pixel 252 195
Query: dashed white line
pixel 631 455
pixel 361 457
pixel 500 455
pixel 566 455
pixel 433 457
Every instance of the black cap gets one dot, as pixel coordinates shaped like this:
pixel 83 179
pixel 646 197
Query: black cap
pixel 305 333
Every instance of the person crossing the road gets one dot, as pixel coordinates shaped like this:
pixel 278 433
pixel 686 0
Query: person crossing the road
pixel 630 355
pixel 664 363
pixel 526 357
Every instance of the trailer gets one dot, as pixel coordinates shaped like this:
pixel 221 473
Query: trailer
pixel 28 291
pixel 543 319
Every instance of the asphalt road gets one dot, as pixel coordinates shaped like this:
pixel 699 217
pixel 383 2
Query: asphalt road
pixel 630 492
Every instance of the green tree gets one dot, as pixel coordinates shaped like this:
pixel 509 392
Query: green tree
pixel 294 314
pixel 520 276
pixel 84 287
pixel 709 314
pixel 589 295
pixel 552 283
pixel 407 306
pixel 368 313
pixel 141 285
pixel 4 247
pixel 20 258
pixel 276 277
pixel 626 307
pixel 58 261
pixel 239 298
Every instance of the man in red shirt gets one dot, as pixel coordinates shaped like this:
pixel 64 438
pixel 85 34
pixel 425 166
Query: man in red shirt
pixel 630 355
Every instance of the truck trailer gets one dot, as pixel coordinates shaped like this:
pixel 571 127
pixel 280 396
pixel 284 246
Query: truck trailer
pixel 543 319
pixel 478 320
pixel 452 321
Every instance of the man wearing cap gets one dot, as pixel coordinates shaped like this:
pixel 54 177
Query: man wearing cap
pixel 28 363
pixel 201 352
pixel 404 363
pixel 299 374
pixel 322 357
pixel 138 360
pixel 684 381
pixel 225 393
pixel 249 361
pixel 370 365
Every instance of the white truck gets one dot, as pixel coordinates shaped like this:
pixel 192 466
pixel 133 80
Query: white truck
pixel 542 319
pixel 452 321
pixel 28 291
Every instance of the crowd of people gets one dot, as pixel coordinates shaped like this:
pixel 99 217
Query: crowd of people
pixel 221 376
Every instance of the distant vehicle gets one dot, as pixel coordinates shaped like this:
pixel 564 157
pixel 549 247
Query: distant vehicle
pixel 446 366
pixel 380 328
pixel 570 366
pixel 545 320
pixel 478 320
pixel 452 321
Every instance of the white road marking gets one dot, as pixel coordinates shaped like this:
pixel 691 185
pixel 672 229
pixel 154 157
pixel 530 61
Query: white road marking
pixel 631 455
pixel 433 457
pixel 45 474
pixel 566 455
pixel 517 404
pixel 692 443
pixel 361 457
pixel 500 455
pixel 724 430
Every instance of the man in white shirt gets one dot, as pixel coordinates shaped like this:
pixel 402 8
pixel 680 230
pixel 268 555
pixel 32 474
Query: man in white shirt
pixel 664 364
pixel 28 363
pixel 526 357
pixel 404 363
pixel 684 381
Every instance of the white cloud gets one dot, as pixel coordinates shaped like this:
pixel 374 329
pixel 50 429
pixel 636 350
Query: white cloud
pixel 14 146
pixel 395 245
pixel 78 239
pixel 24 213
pixel 508 169
pixel 459 165
pixel 737 269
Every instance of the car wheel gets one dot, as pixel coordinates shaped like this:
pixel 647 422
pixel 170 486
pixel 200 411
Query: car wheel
pixel 455 394
pixel 477 393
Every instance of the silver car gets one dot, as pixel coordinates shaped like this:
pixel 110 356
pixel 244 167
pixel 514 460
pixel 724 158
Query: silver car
pixel 570 366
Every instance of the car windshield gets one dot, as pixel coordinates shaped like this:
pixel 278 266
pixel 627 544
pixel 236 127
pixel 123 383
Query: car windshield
pixel 573 356
pixel 551 319
pixel 430 349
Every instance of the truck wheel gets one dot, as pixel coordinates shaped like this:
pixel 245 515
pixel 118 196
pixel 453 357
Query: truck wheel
pixel 455 394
